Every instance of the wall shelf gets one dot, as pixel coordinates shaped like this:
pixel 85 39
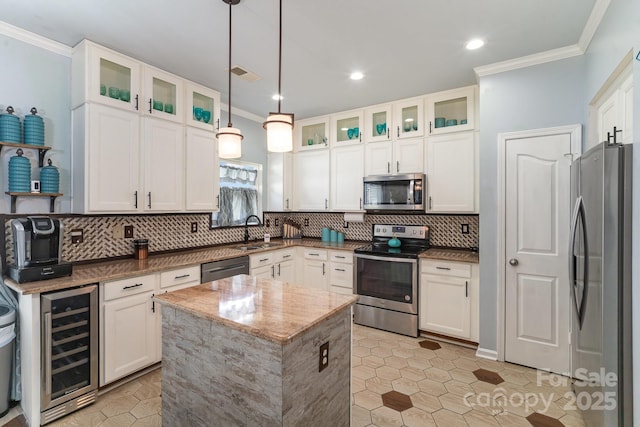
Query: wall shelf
pixel 42 149
pixel 14 197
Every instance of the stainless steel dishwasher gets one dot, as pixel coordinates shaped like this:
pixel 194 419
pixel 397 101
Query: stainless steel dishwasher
pixel 225 268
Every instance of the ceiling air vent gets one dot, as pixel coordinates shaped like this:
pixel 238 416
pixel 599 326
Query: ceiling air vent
pixel 245 74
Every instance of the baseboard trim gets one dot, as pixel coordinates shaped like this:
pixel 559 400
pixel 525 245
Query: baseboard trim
pixel 485 353
pixel 451 340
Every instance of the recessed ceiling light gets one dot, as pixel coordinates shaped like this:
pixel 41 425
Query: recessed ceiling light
pixel 474 44
pixel 356 75
pixel 276 96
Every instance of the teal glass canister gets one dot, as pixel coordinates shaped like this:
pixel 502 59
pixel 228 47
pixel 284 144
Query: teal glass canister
pixel 10 127
pixel 49 179
pixel 19 173
pixel 33 128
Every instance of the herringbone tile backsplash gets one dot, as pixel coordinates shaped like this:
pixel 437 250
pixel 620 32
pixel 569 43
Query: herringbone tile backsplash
pixel 172 232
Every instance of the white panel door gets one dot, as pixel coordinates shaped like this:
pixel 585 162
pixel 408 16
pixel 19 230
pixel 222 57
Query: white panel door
pixel 347 171
pixel 377 158
pixel 163 153
pixel 537 195
pixel 608 117
pixel 315 275
pixel 408 156
pixel 114 160
pixel 286 272
pixel 201 170
pixel 445 305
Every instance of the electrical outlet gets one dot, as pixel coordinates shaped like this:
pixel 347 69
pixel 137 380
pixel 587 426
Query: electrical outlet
pixel 306 222
pixel 323 361
pixel 277 222
pixel 464 228
pixel 194 227
pixel 345 225
pixel 128 231
pixel 77 235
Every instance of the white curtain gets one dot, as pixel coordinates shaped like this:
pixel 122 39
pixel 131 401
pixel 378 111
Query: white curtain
pixel 238 195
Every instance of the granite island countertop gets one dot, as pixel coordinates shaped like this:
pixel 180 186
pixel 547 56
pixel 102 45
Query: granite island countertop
pixel 265 308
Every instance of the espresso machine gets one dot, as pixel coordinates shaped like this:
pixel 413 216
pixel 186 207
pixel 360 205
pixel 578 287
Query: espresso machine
pixel 37 248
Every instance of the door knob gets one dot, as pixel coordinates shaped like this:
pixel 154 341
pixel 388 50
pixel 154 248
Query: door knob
pixel 513 261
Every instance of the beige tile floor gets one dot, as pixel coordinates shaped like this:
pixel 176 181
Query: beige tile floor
pixel 397 381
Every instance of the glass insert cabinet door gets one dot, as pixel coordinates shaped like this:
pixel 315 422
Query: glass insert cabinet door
pixel 377 123
pixel 163 94
pixel 347 128
pixel 312 133
pixel 203 107
pixel 114 79
pixel 409 118
pixel 451 111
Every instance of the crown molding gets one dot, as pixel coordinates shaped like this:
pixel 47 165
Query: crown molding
pixel 528 61
pixel 595 18
pixel 34 39
pixel 243 113
pixel 593 22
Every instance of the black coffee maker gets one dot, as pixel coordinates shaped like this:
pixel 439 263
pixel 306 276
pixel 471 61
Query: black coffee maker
pixel 37 249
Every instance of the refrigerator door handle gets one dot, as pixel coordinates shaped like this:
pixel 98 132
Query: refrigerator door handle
pixel 578 215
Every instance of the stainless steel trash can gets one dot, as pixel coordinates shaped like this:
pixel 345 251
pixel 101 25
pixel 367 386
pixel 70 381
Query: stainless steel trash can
pixel 7 340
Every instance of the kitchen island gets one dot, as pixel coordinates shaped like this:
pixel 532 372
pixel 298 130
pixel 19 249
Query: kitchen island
pixel 247 351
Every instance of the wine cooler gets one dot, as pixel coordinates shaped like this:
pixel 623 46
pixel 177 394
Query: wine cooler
pixel 69 351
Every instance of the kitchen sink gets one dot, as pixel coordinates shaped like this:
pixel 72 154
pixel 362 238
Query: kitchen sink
pixel 250 247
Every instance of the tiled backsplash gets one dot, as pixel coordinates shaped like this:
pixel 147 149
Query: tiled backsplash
pixel 171 232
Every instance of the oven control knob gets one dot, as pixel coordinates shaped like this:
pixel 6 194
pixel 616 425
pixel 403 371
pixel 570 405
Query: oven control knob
pixel 407 298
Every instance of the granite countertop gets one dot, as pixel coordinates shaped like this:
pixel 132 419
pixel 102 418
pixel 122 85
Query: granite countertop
pixel 264 308
pixel 118 269
pixel 445 254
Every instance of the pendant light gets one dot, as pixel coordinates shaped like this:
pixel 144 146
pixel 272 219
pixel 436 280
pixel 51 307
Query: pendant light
pixel 279 125
pixel 229 138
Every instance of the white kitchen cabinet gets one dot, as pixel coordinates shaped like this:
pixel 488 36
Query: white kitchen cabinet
pixel 408 118
pixel 280 181
pixel 378 123
pixel 98 72
pixel 163 156
pixel 311 134
pixel 341 272
pixel 451 173
pixel 311 182
pixel 616 110
pixel 201 170
pixel 164 95
pixel 394 157
pixel 106 160
pixel 202 103
pixel 128 336
pixel 315 269
pixel 275 264
pixel 347 171
pixel 449 298
pixel 456 104
pixel 346 128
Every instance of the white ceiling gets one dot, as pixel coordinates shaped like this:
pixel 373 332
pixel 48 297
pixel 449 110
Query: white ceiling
pixel 404 47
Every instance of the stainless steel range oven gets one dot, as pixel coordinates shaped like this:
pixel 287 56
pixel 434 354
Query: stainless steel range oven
pixel 386 278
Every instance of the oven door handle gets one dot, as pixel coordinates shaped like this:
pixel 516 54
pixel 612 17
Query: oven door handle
pixel 387 258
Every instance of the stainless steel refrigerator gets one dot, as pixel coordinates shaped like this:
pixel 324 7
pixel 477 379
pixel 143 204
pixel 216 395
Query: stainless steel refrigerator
pixel 600 272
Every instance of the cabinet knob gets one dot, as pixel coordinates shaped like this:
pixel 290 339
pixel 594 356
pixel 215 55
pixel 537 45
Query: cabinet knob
pixel 514 261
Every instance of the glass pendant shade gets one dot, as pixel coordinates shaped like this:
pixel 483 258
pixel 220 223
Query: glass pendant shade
pixel 279 129
pixel 229 143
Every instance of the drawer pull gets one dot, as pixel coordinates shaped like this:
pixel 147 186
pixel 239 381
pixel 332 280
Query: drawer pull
pixel 312 254
pixel 286 256
pixel 340 269
pixel 132 286
pixel 264 259
pixel 340 256
pixel 181 277
pixel 443 268
pixel 466 289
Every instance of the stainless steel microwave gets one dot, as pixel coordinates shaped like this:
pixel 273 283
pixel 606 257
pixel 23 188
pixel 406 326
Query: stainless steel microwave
pixel 394 192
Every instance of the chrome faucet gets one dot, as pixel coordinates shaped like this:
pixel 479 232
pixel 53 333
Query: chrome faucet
pixel 246 227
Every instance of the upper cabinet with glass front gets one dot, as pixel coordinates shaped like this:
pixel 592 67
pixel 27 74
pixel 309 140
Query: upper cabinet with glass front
pixel 451 111
pixel 408 118
pixel 202 107
pixel 346 128
pixel 163 94
pixel 311 134
pixel 106 77
pixel 377 123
